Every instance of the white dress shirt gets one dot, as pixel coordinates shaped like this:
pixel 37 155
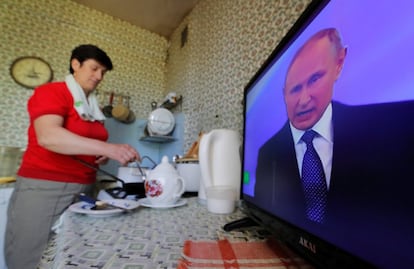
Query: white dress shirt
pixel 323 143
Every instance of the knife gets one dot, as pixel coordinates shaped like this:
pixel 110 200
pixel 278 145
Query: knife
pixel 99 204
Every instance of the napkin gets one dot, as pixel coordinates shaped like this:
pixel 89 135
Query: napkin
pixel 237 255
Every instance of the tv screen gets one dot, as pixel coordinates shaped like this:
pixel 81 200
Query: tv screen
pixel 328 154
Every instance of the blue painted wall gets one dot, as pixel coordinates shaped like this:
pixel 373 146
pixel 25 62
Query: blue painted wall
pixel 133 132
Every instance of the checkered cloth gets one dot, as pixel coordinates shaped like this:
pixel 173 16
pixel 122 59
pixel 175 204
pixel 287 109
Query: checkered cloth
pixel 238 255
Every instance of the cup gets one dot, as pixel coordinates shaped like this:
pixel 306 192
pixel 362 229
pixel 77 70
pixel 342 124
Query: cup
pixel 221 199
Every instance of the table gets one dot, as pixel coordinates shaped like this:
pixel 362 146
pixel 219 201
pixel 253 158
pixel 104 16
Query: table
pixel 146 238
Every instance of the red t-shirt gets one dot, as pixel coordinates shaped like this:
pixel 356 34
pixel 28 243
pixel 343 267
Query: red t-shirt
pixel 40 163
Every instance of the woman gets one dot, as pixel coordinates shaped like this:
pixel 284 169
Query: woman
pixel 66 124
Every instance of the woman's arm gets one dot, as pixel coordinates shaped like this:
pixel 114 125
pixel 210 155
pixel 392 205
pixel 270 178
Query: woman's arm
pixel 52 136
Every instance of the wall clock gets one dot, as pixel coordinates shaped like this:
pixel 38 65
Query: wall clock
pixel 31 71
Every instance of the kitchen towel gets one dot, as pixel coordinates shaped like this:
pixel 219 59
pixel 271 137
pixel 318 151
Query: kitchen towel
pixel 237 255
pixel 87 107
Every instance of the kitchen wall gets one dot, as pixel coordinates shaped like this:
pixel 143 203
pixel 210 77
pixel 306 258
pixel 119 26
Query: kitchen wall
pixel 50 29
pixel 227 41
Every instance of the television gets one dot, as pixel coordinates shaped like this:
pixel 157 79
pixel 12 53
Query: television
pixel 367 135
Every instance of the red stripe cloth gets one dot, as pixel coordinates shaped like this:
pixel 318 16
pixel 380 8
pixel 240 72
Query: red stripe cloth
pixel 223 254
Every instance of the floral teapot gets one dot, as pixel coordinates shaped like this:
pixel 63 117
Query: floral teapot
pixel 163 184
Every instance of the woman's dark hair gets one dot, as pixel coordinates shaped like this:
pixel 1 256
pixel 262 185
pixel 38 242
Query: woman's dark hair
pixel 85 52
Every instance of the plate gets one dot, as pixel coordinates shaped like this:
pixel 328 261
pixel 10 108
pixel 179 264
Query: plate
pixel 85 208
pixel 146 203
pixel 161 121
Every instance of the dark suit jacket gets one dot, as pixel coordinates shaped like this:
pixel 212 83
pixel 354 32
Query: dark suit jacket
pixel 371 179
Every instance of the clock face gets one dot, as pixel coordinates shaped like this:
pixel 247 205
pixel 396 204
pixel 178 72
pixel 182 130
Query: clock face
pixel 31 71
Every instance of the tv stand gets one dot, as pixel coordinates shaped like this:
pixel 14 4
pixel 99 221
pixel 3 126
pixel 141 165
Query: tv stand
pixel 240 223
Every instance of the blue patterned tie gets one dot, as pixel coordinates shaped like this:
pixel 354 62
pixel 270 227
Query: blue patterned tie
pixel 313 180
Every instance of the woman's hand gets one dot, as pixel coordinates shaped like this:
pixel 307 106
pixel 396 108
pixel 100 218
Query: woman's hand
pixel 123 153
pixel 101 160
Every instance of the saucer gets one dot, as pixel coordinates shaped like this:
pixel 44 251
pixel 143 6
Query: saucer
pixel 145 202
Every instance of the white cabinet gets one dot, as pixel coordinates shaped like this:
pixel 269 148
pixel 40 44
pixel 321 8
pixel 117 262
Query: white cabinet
pixel 5 194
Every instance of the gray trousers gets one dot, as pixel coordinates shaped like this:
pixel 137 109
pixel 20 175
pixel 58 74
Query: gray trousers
pixel 34 207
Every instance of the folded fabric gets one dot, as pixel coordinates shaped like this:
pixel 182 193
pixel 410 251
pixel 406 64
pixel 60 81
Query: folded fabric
pixel 57 226
pixel 87 108
pixel 238 255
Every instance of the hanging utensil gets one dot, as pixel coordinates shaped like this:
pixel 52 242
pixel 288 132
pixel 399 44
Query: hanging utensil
pixel 120 112
pixel 153 105
pixel 131 115
pixel 107 110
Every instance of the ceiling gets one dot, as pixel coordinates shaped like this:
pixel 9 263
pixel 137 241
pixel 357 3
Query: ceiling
pixel 158 16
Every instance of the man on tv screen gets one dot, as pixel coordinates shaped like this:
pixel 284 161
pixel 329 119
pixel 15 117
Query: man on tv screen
pixel 340 171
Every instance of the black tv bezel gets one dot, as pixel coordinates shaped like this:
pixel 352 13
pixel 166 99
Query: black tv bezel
pixel 317 251
pixel 309 246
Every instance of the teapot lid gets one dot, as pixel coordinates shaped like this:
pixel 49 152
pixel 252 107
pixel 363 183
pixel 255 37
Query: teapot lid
pixel 164 167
